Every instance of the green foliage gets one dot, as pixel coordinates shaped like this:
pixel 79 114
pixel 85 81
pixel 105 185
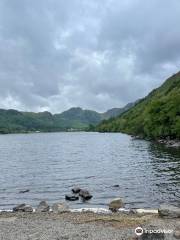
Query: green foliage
pixel 12 121
pixel 156 116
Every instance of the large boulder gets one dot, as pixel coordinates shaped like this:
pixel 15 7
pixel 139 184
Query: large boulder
pixel 115 204
pixel 85 195
pixel 169 211
pixel 43 207
pixel 60 208
pixel 23 208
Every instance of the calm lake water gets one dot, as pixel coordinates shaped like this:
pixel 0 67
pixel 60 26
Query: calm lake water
pixel 50 164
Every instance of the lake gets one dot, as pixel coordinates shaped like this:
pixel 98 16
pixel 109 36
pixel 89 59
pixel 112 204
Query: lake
pixel 50 164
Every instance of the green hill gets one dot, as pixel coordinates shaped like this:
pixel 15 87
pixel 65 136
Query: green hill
pixel 155 116
pixel 114 112
pixel 13 121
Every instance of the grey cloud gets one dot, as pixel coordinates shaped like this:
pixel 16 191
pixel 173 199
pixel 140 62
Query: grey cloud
pixel 56 54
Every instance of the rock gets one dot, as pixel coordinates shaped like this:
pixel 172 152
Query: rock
pixel 176 145
pixel 43 207
pixel 24 191
pixel 23 208
pixel 76 190
pixel 60 208
pixel 71 197
pixel 85 195
pixel 116 186
pixel 177 233
pixel 169 211
pixel 115 204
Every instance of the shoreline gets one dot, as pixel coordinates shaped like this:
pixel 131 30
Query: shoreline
pixel 96 211
pixel 80 226
pixel 170 143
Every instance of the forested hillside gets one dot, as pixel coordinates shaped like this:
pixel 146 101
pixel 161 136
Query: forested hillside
pixel 155 116
pixel 13 121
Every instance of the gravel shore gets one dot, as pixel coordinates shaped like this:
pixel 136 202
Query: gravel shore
pixel 79 226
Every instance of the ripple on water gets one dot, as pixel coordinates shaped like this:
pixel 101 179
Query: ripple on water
pixel 50 164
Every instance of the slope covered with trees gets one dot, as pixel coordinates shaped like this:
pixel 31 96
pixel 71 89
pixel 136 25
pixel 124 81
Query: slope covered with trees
pixel 155 116
pixel 13 121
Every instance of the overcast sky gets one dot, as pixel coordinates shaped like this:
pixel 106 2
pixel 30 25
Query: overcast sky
pixel 95 54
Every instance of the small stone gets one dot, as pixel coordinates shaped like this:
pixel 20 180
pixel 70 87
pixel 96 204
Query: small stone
pixel 169 211
pixel 24 191
pixel 71 198
pixel 115 204
pixel 85 195
pixel 60 208
pixel 23 208
pixel 43 207
pixel 76 190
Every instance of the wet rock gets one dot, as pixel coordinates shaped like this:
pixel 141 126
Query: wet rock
pixel 24 191
pixel 177 233
pixel 43 207
pixel 115 204
pixel 85 195
pixel 76 190
pixel 23 208
pixel 169 211
pixel 60 208
pixel 176 145
pixel 71 197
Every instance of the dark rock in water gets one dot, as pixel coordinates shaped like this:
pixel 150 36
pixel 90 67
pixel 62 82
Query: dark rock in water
pixel 43 207
pixel 115 204
pixel 76 190
pixel 85 195
pixel 60 208
pixel 116 186
pixel 71 198
pixel 24 191
pixel 169 211
pixel 23 208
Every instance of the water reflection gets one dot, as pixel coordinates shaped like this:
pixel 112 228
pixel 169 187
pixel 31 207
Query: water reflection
pixel 166 165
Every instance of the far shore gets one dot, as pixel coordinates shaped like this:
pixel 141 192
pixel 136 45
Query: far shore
pixel 170 143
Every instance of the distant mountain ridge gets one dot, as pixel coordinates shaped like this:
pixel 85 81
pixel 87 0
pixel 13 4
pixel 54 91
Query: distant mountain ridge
pixel 156 116
pixel 13 121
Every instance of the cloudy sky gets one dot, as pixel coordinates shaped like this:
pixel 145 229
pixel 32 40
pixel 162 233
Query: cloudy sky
pixel 96 54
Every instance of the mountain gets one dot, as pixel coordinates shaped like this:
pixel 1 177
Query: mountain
pixel 77 118
pixel 156 116
pixel 13 121
pixel 114 112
